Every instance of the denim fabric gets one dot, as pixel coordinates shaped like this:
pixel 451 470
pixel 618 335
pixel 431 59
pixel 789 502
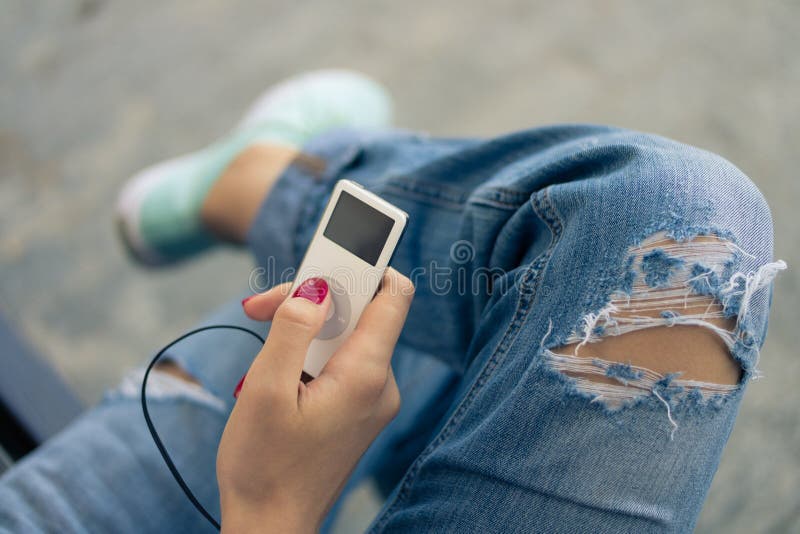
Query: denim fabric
pixel 518 246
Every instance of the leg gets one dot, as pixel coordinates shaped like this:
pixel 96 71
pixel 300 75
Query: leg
pixel 556 244
pixel 69 482
pixel 507 438
pixel 103 473
pixel 603 375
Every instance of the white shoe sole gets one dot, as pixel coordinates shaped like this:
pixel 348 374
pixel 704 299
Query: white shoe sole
pixel 129 207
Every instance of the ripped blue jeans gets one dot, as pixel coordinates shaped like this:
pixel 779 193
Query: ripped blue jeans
pixel 525 250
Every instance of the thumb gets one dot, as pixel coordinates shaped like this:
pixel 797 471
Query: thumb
pixel 296 322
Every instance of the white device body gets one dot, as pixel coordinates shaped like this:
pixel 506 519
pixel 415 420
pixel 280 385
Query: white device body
pixel 352 279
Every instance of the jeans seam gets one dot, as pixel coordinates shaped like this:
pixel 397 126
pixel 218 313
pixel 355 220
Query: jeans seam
pixel 544 210
pixel 450 197
pixel 447 197
pixel 500 197
pixel 547 212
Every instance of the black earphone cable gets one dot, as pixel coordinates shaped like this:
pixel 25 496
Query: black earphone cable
pixel 159 444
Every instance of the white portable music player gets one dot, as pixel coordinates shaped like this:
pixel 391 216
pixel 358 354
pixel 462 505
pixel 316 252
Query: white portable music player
pixel 351 249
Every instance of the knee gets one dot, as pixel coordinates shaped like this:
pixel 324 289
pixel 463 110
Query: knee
pixel 708 231
pixel 692 192
pixel 647 182
pixel 688 242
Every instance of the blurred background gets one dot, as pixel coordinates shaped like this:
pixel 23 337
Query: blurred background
pixel 93 90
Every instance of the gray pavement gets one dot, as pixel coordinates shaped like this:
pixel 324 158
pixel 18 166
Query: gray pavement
pixel 92 90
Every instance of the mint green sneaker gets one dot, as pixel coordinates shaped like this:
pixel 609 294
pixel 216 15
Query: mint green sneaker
pixel 158 210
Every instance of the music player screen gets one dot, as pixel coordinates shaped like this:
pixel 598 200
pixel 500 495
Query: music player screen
pixel 358 227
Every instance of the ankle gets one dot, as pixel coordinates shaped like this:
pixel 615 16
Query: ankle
pixel 232 203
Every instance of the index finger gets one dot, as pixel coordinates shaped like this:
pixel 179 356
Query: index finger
pixel 382 320
pixel 262 306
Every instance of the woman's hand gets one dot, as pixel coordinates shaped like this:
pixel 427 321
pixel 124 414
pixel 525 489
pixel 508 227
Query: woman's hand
pixel 289 447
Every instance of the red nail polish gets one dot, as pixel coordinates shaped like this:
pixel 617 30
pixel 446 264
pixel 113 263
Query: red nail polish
pixel 244 300
pixel 313 289
pixel 239 387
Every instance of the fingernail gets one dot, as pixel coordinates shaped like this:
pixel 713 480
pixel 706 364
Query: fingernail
pixel 239 387
pixel 244 300
pixel 313 289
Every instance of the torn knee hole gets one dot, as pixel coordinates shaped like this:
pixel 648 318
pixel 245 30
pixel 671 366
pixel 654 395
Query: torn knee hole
pixel 173 369
pixel 164 385
pixel 690 352
pixel 674 327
